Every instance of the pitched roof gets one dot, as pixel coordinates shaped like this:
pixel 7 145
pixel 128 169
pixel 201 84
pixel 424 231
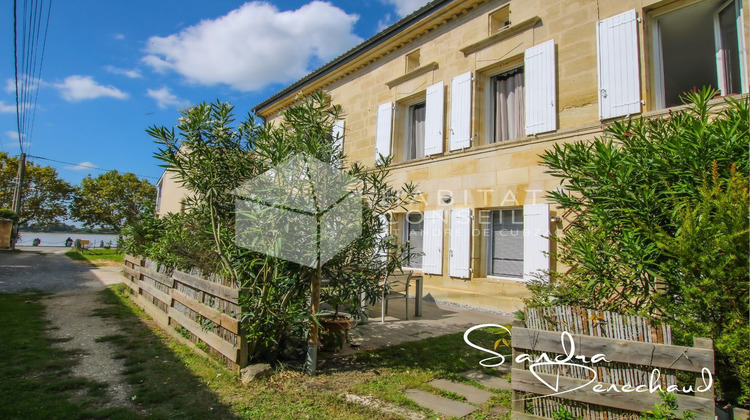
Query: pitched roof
pixel 365 46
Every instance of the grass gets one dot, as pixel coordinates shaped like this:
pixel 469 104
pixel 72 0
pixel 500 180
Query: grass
pixel 169 380
pixel 37 380
pixel 97 257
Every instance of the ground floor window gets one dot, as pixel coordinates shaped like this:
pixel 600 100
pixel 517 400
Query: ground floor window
pixel 414 234
pixel 505 243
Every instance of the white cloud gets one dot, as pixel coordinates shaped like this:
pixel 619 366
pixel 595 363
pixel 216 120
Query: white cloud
pixel 255 45
pixel 13 135
pixel 118 37
pixel 164 98
pixel 7 108
pixel 131 73
pixel 78 88
pixel 83 166
pixel 404 7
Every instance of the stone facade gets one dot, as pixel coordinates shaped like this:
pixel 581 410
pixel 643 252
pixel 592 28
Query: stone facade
pixel 447 39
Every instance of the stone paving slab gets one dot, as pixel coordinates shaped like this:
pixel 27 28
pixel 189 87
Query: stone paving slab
pixel 489 381
pixel 472 394
pixel 439 404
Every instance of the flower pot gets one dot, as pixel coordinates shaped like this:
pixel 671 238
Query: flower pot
pixel 334 331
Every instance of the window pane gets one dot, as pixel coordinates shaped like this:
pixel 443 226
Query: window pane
pixel 730 49
pixel 507 243
pixel 688 50
pixel 414 230
pixel 417 114
pixel 508 115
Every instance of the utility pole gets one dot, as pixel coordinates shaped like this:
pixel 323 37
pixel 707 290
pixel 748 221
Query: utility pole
pixel 17 196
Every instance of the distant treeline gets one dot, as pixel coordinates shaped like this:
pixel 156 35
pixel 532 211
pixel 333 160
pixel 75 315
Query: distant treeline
pixel 64 228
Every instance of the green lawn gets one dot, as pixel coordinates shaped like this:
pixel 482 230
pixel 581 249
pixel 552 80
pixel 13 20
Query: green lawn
pixel 97 256
pixel 170 381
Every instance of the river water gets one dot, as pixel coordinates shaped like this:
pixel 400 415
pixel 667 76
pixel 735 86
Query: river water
pixel 58 239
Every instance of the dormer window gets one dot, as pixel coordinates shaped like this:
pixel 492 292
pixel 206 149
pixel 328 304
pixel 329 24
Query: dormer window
pixel 499 19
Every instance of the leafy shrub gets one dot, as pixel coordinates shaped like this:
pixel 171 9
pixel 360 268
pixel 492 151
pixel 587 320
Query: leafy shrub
pixel 8 214
pixel 657 225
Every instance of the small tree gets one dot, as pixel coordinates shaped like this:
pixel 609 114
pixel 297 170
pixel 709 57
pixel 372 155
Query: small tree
pixel 212 157
pixel 657 213
pixel 112 200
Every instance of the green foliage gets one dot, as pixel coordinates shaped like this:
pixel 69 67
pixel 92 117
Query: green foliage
pixel 8 214
pixel 112 200
pixel 212 155
pixel 657 213
pixel 563 414
pixel 666 410
pixel 44 196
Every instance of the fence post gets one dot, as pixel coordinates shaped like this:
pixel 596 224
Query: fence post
pixel 518 403
pixel 704 343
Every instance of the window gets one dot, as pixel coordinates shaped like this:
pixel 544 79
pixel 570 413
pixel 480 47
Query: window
pixel 697 46
pixel 412 61
pixel 159 187
pixel 505 243
pixel 413 234
pixel 499 19
pixel 415 131
pixel 516 242
pixel 507 118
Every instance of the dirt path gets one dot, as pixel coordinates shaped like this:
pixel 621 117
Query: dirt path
pixel 70 310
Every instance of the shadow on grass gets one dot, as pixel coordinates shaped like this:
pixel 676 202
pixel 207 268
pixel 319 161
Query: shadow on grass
pixel 444 355
pixel 162 383
pixel 36 377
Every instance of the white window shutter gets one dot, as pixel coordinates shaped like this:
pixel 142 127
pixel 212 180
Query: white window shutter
pixel 433 137
pixel 535 240
pixel 617 63
pixel 432 262
pixel 540 88
pixel 460 112
pixel 383 131
pixel 338 134
pixel 460 243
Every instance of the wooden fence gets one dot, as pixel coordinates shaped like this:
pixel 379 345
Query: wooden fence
pixel 207 312
pixel 633 348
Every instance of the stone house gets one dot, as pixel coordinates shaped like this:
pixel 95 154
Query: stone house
pixel 466 94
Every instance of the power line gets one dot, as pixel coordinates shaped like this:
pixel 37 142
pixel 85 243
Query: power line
pixel 87 166
pixel 28 62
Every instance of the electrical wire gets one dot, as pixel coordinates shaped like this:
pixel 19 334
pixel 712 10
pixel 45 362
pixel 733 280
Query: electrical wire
pixel 28 62
pixel 86 166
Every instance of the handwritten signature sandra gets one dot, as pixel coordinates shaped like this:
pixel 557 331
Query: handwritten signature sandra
pixel 571 359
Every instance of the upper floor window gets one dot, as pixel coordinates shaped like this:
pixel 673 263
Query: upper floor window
pixel 412 61
pixel 499 19
pixel 415 131
pixel 695 46
pixel 507 114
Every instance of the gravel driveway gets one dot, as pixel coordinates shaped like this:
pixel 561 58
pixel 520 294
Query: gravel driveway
pixel 48 270
pixel 75 294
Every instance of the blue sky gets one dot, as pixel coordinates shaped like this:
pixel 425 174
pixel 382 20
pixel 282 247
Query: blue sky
pixel 113 68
